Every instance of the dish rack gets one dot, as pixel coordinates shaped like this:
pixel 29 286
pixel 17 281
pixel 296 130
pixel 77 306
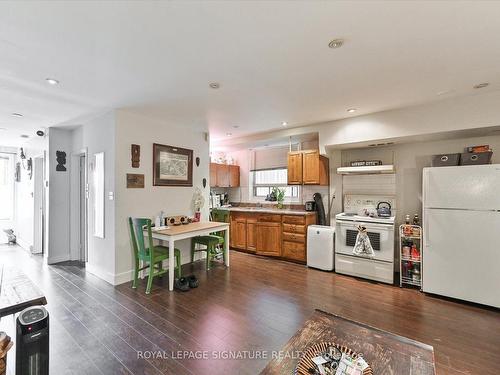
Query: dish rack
pixel 410 255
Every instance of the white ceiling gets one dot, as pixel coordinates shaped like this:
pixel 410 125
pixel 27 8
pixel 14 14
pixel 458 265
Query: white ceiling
pixel 270 58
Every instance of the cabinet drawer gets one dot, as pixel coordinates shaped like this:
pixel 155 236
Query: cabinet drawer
pixel 294 228
pixel 295 237
pixel 294 219
pixel 294 250
pixel 269 218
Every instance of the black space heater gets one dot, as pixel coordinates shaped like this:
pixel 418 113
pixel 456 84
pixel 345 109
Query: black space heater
pixel 32 341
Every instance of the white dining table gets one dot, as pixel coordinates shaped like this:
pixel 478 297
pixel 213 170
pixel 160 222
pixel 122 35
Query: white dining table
pixel 181 232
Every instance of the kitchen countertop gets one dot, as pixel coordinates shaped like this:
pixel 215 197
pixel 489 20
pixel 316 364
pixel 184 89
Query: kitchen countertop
pixel 269 210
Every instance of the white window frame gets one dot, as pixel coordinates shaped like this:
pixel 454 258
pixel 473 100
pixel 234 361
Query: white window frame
pixel 257 198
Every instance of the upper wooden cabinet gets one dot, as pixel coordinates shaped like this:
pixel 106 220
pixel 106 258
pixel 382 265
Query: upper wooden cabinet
pixel 295 168
pixel 234 176
pixel 213 174
pixel 308 168
pixel 223 175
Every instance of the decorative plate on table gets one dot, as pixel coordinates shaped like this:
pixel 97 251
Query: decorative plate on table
pixel 306 363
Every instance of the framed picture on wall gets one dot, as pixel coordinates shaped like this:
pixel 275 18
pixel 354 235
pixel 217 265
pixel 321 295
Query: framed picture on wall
pixel 172 166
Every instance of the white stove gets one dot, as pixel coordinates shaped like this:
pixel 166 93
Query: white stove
pixel 362 210
pixel 365 219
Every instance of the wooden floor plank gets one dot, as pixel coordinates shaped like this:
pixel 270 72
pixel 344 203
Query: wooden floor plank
pixel 257 304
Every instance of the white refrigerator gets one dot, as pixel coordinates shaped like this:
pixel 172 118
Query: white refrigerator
pixel 461 233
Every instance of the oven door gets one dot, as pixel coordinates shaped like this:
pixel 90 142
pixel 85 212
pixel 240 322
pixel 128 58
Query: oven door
pixel 381 238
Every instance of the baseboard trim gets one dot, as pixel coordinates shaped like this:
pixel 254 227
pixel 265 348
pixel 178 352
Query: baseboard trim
pixel 57 259
pixel 24 244
pixel 100 273
pixel 123 277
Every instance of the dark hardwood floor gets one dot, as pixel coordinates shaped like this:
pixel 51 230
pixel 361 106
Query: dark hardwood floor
pixel 257 304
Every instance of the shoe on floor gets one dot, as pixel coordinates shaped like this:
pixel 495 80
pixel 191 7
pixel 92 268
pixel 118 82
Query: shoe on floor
pixel 193 281
pixel 181 284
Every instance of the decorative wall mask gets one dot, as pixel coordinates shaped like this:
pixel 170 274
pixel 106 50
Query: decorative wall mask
pixel 136 155
pixel 204 182
pixel 61 161
pixel 197 161
pixel 26 163
pixel 17 174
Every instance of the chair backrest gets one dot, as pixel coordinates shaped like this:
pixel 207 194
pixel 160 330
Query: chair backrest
pixel 137 238
pixel 221 216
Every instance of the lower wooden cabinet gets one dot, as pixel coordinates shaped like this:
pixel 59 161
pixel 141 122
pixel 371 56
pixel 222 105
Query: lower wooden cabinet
pixel 251 234
pixel 275 235
pixel 294 251
pixel 268 239
pixel 239 233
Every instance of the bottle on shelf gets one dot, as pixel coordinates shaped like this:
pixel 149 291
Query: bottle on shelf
pixel 415 253
pixel 416 220
pixel 415 274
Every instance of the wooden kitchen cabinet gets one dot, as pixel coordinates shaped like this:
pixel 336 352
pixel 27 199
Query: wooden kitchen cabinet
pixel 295 168
pixel 234 176
pixel 271 234
pixel 268 239
pixel 307 167
pixel 223 175
pixel 213 174
pixel 238 232
pixel 251 233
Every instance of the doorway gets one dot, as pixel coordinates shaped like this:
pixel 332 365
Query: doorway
pixel 83 207
pixel 38 205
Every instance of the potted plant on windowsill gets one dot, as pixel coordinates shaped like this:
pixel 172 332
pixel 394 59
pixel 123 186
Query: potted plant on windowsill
pixel 279 193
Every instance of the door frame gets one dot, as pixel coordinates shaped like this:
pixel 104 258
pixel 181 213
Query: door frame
pixel 81 228
pixel 39 205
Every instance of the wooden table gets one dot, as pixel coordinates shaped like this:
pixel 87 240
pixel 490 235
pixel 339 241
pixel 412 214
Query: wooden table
pixel 17 291
pixel 386 353
pixel 181 232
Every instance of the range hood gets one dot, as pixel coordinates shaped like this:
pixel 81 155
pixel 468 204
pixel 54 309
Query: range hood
pixel 367 169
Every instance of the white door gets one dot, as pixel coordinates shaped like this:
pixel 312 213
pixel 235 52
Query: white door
pixel 468 187
pixel 461 255
pixel 38 206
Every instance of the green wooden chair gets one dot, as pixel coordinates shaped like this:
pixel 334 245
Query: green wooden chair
pixel 211 242
pixel 151 256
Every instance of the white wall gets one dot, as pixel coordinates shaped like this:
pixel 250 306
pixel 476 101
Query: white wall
pixel 132 128
pixel 97 135
pixel 24 204
pixel 59 197
pixel 462 113
pixel 11 223
pixel 409 159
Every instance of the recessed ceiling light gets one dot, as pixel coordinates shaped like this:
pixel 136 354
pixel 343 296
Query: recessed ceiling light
pixel 229 134
pixel 25 136
pixel 52 81
pixel 17 115
pixel 336 43
pixel 214 85
pixel 284 123
pixel 352 110
pixel 481 85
